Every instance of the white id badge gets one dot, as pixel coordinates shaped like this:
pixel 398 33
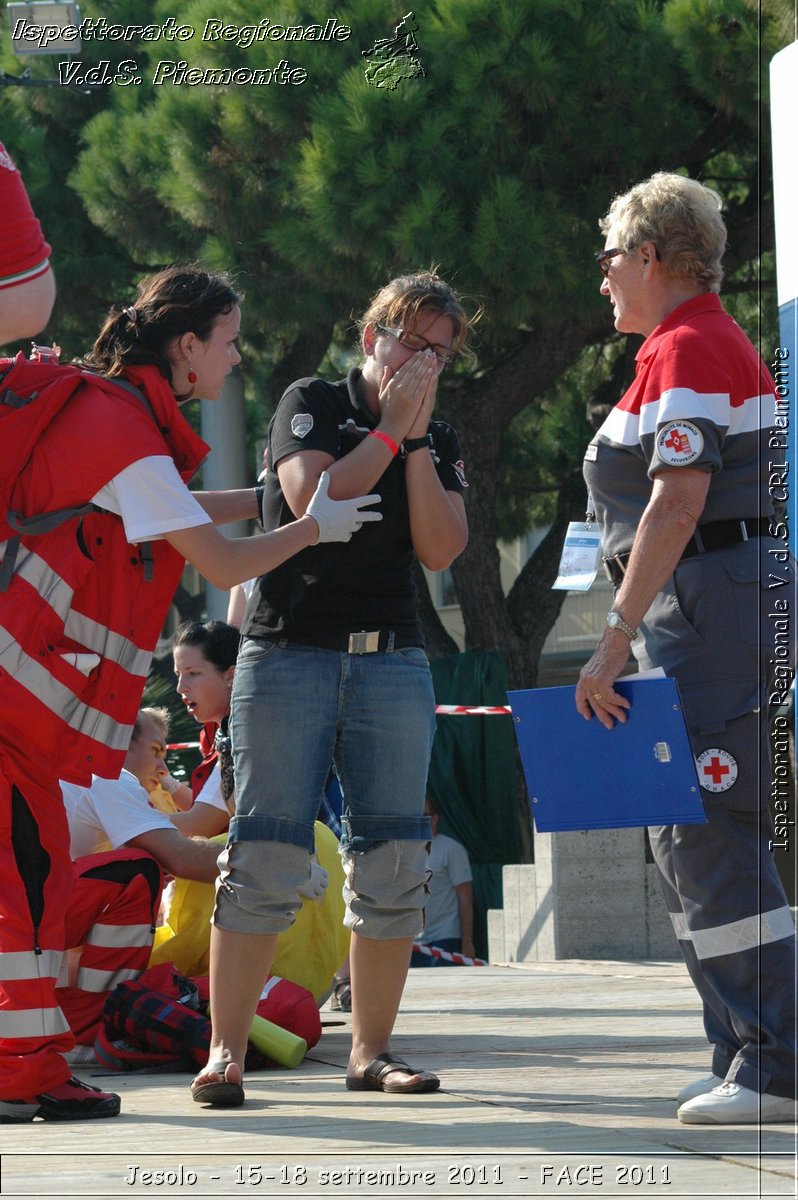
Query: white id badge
pixel 580 557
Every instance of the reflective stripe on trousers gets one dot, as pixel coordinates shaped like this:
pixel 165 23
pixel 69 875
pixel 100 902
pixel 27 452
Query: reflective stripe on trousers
pixel 110 928
pixel 26 969
pixel 736 936
pixel 32 1023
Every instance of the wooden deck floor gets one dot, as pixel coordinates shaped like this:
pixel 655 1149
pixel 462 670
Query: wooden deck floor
pixel 557 1079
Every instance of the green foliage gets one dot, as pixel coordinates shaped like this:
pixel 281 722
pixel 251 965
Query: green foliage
pixel 43 126
pixel 717 45
pixel 750 296
pixel 481 166
pixel 496 165
pixel 541 446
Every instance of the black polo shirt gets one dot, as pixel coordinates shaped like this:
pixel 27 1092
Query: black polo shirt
pixel 328 591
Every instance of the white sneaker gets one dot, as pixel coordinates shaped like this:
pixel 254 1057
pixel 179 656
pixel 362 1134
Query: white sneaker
pixel 81 1056
pixel 731 1104
pixel 698 1088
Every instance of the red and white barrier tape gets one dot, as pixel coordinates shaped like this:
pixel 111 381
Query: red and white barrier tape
pixel 451 956
pixel 467 710
pixel 443 710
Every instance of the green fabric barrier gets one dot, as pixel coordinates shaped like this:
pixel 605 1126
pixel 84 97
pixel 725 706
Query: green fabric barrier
pixel 472 775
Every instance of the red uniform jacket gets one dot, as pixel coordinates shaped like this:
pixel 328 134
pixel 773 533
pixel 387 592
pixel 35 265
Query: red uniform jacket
pixel 83 589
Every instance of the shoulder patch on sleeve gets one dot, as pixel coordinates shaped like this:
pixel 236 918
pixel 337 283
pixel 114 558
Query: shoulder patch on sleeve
pixel 679 443
pixel 301 424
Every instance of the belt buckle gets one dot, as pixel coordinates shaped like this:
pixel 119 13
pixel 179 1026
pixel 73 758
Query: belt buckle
pixel 364 643
pixel 617 561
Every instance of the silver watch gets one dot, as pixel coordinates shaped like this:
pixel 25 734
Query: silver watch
pixel 616 621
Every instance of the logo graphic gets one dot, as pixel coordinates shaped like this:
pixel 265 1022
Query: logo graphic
pixel 390 60
pixel 679 443
pixel 301 424
pixel 717 770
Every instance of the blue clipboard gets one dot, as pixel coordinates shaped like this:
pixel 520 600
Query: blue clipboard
pixel 583 776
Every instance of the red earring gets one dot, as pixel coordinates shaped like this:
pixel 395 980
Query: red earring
pixel 192 376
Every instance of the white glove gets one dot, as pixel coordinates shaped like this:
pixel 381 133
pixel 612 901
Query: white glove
pixel 315 887
pixel 338 519
pixel 170 784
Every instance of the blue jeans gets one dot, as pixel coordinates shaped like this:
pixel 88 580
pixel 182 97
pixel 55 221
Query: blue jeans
pixel 297 708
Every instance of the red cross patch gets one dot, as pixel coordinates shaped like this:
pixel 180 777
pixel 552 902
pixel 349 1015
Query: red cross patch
pixel 717 770
pixel 679 443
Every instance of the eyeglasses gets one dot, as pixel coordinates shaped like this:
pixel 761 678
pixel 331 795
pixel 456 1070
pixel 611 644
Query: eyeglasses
pixel 414 342
pixel 604 259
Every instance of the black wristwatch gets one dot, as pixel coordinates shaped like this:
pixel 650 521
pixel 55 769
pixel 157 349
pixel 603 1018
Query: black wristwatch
pixel 411 444
pixel 259 490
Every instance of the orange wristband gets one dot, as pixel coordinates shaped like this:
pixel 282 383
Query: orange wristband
pixel 389 442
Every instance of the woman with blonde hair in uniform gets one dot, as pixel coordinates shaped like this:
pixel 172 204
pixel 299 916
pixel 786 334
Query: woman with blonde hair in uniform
pixel 678 474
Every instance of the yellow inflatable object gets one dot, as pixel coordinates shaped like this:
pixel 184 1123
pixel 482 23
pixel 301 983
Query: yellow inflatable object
pixel 309 953
pixel 161 801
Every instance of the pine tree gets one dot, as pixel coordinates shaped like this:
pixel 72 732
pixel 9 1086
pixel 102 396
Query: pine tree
pixel 495 164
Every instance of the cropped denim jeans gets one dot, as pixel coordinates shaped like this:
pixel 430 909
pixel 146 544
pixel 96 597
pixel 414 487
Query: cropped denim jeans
pixel 295 710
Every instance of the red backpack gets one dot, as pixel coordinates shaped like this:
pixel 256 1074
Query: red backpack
pixel 157 1022
pixel 32 392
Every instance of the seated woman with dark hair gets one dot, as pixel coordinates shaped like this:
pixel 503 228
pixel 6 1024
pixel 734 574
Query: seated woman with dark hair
pixel 311 950
pixel 204 657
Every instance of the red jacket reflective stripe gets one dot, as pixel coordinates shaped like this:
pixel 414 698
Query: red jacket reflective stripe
pixel 82 589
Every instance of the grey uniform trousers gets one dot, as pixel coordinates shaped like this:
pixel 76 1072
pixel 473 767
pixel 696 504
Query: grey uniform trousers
pixel 713 627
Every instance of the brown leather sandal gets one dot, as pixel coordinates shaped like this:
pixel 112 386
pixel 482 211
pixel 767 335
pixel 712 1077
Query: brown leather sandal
pixel 373 1078
pixel 218 1093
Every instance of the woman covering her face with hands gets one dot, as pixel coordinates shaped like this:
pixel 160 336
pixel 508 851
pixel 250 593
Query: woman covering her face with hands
pixel 332 668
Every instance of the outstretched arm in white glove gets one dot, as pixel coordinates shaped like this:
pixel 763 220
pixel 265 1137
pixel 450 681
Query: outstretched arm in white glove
pixel 316 886
pixel 339 519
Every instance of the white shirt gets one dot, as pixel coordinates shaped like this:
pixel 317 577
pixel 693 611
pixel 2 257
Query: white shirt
pixel 450 866
pixel 151 499
pixel 211 790
pixel 108 814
